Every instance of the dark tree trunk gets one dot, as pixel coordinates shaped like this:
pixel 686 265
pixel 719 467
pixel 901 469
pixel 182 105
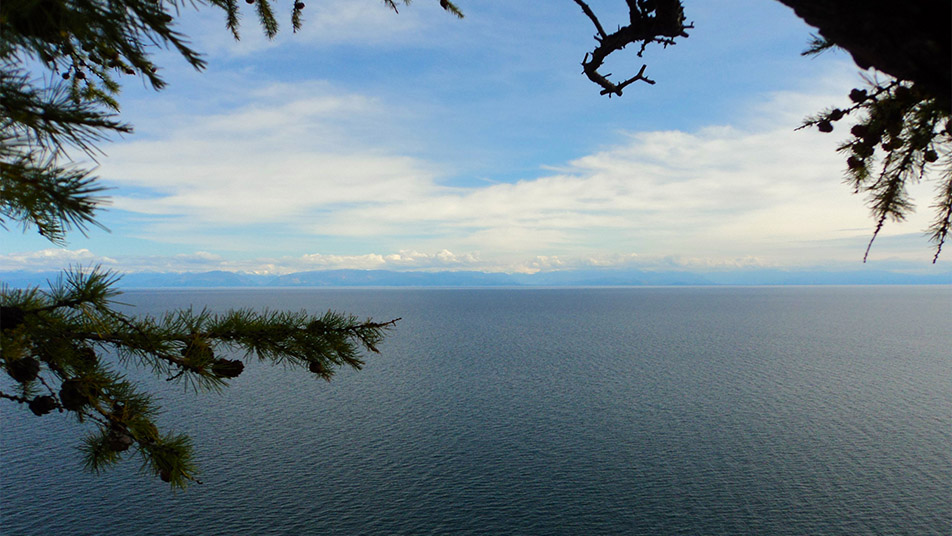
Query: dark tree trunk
pixel 908 39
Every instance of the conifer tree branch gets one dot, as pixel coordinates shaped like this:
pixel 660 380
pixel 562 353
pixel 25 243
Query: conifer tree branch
pixel 49 118
pixel 941 225
pixel 899 135
pixel 54 338
pixel 51 198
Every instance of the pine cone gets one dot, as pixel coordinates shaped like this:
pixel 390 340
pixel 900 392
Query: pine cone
pixel 72 395
pixel 118 441
pixel 24 370
pixel 11 317
pixel 228 368
pixel 42 405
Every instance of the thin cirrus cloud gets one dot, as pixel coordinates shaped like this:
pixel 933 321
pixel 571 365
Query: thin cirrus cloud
pixel 272 161
pixel 325 23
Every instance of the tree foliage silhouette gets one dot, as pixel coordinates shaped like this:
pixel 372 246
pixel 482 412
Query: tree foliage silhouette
pixel 903 129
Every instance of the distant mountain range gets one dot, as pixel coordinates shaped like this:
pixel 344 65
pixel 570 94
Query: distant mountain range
pixel 567 278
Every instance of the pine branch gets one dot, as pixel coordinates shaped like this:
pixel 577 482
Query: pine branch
pixel 50 118
pixel 901 131
pixel 266 17
pixel 52 198
pixel 941 225
pixel 818 44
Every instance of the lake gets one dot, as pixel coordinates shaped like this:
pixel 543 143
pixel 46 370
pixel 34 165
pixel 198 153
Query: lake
pixel 707 410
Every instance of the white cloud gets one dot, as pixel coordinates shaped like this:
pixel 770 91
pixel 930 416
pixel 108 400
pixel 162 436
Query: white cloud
pixel 200 261
pixel 717 190
pixel 314 161
pixel 443 260
pixel 53 259
pixel 401 260
pixel 289 151
pixel 326 22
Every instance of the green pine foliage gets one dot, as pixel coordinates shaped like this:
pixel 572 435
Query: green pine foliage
pixel 63 348
pixel 901 136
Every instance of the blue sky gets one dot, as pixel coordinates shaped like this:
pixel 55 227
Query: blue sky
pixel 418 141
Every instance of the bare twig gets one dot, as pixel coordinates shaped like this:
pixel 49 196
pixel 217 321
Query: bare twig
pixel 659 23
pixel 591 14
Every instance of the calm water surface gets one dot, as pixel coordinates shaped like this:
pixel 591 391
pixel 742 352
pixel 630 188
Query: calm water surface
pixel 572 411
